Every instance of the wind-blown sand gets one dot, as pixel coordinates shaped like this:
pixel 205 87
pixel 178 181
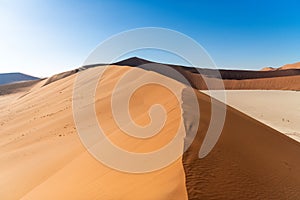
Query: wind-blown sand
pixel 42 157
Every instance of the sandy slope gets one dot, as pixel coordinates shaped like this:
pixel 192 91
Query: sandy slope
pixel 42 157
pixel 278 109
pixel 250 161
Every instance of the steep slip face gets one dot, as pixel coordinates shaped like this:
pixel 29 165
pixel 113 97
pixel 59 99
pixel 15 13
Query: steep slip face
pixel 42 157
pixel 249 161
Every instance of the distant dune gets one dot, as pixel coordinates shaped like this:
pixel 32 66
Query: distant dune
pixel 43 158
pixel 268 69
pixel 211 73
pixel 290 66
pixel 15 77
pixel 288 79
pixel 284 67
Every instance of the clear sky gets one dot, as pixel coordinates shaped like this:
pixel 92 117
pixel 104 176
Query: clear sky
pixel 43 37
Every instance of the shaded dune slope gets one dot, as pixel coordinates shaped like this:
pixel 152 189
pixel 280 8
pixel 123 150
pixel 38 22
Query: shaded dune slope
pixel 250 160
pixel 60 76
pixel 17 87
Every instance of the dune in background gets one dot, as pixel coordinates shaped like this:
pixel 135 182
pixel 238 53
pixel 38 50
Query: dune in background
pixel 287 79
pixel 42 156
pixel 284 67
pixel 290 66
pixel 9 78
pixel 278 83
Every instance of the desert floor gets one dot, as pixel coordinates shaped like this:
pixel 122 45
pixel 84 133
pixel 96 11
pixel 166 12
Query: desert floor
pixel 277 109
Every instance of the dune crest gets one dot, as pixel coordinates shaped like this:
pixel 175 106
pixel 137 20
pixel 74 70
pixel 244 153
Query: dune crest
pixel 42 156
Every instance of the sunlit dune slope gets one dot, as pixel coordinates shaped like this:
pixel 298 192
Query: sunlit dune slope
pixel 43 158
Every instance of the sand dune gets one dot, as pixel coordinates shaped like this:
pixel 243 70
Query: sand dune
pixel 288 79
pixel 250 161
pixel 290 66
pixel 275 83
pixel 226 74
pixel 268 69
pixel 17 87
pixel 8 78
pixel 278 83
pixel 60 76
pixel 284 67
pixel 42 157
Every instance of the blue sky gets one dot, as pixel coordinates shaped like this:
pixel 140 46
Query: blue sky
pixel 43 37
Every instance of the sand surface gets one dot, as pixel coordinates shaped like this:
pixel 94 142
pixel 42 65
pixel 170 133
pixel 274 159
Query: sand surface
pixel 41 156
pixel 250 161
pixel 277 109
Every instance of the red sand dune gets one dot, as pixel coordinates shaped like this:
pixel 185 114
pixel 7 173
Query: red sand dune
pixel 42 157
pixel 290 66
pixel 284 67
pixel 288 79
pixel 268 69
